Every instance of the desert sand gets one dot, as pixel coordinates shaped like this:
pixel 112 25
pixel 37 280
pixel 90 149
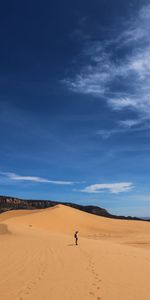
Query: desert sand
pixel 39 260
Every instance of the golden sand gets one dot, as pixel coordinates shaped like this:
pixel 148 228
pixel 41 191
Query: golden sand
pixel 39 260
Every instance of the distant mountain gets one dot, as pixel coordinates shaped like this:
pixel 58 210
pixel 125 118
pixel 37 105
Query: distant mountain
pixel 12 203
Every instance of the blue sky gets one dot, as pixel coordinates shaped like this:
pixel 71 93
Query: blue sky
pixel 75 102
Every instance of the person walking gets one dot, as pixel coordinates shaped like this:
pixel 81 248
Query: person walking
pixel 76 237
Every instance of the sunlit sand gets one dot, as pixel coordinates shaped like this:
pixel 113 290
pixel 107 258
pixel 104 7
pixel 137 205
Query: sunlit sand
pixel 39 259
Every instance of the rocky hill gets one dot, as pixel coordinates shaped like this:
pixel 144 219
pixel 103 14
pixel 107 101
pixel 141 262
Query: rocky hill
pixel 12 203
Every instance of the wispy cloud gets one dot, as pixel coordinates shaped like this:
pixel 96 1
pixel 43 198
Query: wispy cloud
pixel 16 177
pixel 131 70
pixel 130 123
pixel 125 127
pixel 114 188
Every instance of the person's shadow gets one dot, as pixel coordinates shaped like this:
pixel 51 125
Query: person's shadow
pixel 71 245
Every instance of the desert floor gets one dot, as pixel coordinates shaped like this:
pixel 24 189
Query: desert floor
pixel 39 260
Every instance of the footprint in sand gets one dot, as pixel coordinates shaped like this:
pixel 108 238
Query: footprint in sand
pixel 27 293
pixel 28 288
pixel 91 293
pixel 97 280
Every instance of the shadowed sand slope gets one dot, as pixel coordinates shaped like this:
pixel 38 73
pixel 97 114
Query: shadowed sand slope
pixel 15 213
pixel 40 261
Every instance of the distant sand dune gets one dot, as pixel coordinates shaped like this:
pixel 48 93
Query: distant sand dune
pixel 40 261
pixel 64 219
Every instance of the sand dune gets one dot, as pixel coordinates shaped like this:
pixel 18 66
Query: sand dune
pixel 40 261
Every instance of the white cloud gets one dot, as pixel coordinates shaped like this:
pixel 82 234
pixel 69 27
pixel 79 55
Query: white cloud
pixel 137 27
pixel 126 126
pixel 90 80
pixel 120 103
pixel 16 177
pixel 132 69
pixel 113 188
pixel 130 123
